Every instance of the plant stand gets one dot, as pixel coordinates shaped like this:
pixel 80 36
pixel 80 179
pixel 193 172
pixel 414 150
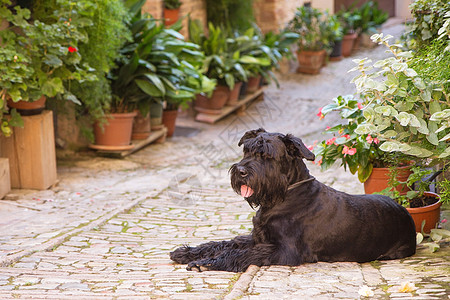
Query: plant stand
pixel 5 177
pixel 239 107
pixel 158 136
pixel 31 153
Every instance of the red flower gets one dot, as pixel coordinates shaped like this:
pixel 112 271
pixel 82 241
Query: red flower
pixel 320 114
pixel 72 49
pixel 330 141
pixel 346 136
pixel 371 140
pixel 360 106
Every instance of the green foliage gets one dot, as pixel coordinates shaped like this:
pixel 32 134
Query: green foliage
pixel 407 111
pixel 359 152
pixel 156 65
pixel 40 57
pixel 370 18
pixel 312 25
pixel 349 19
pixel 172 4
pixel 429 18
pixel 230 15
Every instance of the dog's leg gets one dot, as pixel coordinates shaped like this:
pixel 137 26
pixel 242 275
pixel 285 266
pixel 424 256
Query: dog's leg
pixel 186 254
pixel 235 260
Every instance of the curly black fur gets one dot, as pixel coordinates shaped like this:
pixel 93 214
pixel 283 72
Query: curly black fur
pixel 308 223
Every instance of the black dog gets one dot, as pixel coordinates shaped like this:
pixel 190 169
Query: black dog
pixel 299 219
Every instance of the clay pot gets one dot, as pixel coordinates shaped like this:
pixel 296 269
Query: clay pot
pixel 26 108
pixel 310 62
pixel 171 16
pixel 366 42
pixel 156 110
pixel 347 44
pixel 336 53
pixel 253 84
pixel 116 131
pixel 215 103
pixel 169 119
pixel 429 213
pixel 234 94
pixel 141 127
pixel 379 179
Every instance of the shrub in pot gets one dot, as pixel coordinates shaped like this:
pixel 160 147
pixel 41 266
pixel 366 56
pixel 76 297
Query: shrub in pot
pixel 371 17
pixel 171 11
pixel 310 24
pixel 348 18
pixel 37 58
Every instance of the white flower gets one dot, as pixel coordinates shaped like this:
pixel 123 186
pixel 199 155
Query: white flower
pixel 365 291
pixel 407 287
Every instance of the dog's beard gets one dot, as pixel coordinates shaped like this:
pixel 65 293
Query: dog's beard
pixel 262 186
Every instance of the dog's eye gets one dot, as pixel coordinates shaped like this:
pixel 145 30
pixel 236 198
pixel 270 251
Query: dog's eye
pixel 242 171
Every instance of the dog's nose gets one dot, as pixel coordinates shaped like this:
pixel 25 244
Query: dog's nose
pixel 242 171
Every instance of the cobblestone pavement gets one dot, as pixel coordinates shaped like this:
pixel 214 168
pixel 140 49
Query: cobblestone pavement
pixel 104 232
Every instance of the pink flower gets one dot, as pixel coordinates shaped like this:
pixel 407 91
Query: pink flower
pixel 310 147
pixel 330 141
pixel 328 128
pixel 360 106
pixel 346 136
pixel 371 140
pixel 349 151
pixel 444 221
pixel 72 49
pixel 319 162
pixel 320 114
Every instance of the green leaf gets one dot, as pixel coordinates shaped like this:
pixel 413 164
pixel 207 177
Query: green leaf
pixel 441 115
pixel 403 118
pixel 442 232
pixel 364 172
pixel 419 238
pixel 157 82
pixel 52 87
pixel 445 153
pixel 149 88
pixel 365 129
pixel 446 137
pixel 389 147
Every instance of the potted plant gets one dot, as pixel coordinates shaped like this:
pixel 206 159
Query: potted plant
pixel 171 11
pixel 360 153
pixel 407 102
pixel 40 58
pixel 334 33
pixel 348 18
pixel 310 23
pixel 370 20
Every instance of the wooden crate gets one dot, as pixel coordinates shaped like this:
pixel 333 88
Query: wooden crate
pixel 5 181
pixel 31 153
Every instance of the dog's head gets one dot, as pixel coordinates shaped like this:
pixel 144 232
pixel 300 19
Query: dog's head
pixel 271 162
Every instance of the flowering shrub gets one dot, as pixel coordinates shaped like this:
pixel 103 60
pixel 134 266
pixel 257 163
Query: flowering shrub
pixel 359 152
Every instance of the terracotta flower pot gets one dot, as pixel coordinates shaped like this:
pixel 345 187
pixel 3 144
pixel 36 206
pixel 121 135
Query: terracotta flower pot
pixel 215 103
pixel 141 127
pixel 171 16
pixel 169 119
pixel 234 94
pixel 156 110
pixel 379 179
pixel 253 84
pixel 429 213
pixel 347 44
pixel 26 108
pixel 310 62
pixel 116 131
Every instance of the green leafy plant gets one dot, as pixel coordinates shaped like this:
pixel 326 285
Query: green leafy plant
pixel 230 15
pixel 429 17
pixel 172 4
pixel 40 57
pixel 311 24
pixel 157 65
pixel 359 152
pixel 349 19
pixel 408 112
pixel 371 17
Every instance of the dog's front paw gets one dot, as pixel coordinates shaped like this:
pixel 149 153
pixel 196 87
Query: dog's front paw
pixel 198 266
pixel 181 255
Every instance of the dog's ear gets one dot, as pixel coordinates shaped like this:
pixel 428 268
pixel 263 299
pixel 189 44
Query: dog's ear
pixel 295 147
pixel 250 135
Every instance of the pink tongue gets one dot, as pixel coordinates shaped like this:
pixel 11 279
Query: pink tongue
pixel 246 191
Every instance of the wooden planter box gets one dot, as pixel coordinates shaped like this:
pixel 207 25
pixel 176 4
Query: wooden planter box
pixel 5 181
pixel 31 153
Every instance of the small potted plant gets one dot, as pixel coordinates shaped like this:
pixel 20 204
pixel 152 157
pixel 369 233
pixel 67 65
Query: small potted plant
pixel 38 59
pixel 310 23
pixel 348 18
pixel 171 11
pixel 334 32
pixel 360 153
